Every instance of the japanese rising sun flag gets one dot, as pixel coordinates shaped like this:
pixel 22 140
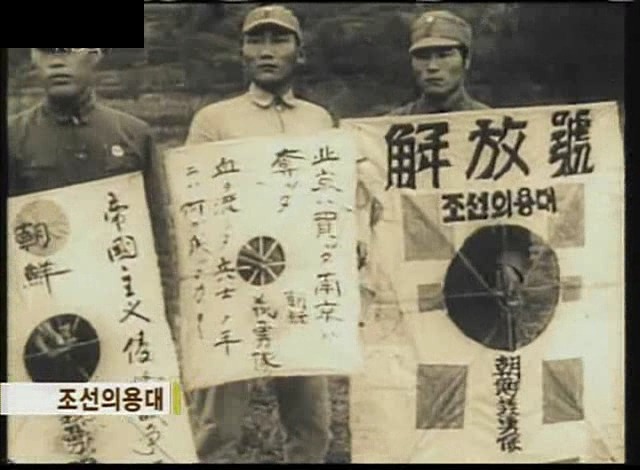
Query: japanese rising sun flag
pixel 496 330
pixel 265 238
pixel 86 305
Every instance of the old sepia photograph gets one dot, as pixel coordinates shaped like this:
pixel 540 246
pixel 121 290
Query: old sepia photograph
pixel 348 232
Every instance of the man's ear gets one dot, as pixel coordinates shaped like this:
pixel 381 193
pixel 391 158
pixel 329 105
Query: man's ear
pixel 302 55
pixel 467 61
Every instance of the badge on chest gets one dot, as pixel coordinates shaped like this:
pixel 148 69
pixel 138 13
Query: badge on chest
pixel 117 151
pixel 121 158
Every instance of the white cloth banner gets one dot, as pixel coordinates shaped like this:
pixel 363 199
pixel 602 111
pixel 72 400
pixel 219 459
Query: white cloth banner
pixel 265 237
pixel 85 304
pixel 497 330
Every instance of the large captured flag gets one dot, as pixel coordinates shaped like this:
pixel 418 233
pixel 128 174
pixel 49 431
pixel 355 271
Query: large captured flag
pixel 496 333
pixel 85 305
pixel 265 237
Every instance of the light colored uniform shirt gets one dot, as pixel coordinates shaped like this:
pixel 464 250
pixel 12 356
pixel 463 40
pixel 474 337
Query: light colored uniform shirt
pixel 257 113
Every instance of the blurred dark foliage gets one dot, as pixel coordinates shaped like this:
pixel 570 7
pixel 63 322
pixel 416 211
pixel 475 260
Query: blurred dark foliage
pixel 357 61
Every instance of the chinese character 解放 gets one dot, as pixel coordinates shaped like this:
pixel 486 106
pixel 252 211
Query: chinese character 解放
pixel 402 150
pixel 494 139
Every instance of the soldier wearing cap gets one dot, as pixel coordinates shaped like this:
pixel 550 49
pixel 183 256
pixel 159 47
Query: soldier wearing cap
pixel 271 49
pixel 440 56
pixel 70 138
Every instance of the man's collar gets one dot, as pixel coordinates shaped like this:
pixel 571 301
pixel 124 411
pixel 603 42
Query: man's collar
pixel 79 114
pixel 452 103
pixel 265 99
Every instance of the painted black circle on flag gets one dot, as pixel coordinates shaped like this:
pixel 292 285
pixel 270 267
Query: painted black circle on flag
pixel 261 261
pixel 63 348
pixel 502 287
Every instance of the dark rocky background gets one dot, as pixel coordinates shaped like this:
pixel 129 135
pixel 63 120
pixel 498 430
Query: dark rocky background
pixel 357 65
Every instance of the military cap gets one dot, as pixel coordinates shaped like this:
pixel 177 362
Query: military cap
pixel 439 29
pixel 272 14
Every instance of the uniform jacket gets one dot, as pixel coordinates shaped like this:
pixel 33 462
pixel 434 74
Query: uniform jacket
pixel 49 150
pixel 421 106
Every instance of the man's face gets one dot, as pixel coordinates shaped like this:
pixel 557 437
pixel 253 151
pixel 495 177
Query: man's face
pixel 65 74
pixel 439 71
pixel 270 54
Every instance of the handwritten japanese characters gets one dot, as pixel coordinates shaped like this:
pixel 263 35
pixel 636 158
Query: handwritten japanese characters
pixel 507 384
pixel 78 436
pixel 86 304
pixel 487 215
pixel 265 233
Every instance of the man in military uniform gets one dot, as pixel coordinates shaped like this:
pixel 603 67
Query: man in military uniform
pixel 271 49
pixel 70 138
pixel 440 56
